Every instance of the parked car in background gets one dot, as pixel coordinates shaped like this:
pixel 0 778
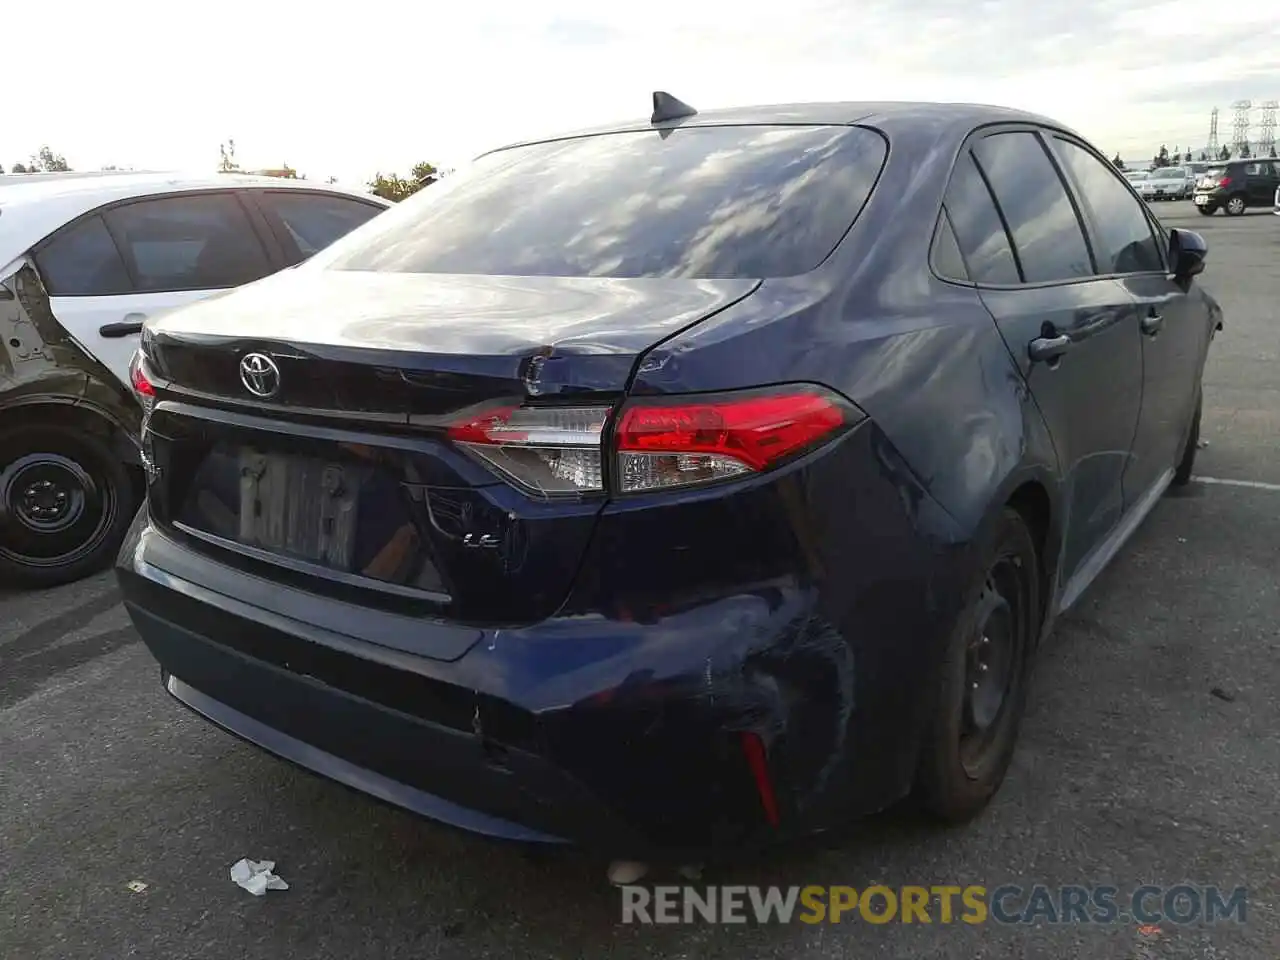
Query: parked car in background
pixel 1236 185
pixel 1167 183
pixel 84 259
pixel 697 481
pixel 1136 176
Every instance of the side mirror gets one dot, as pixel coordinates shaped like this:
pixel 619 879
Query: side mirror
pixel 1187 254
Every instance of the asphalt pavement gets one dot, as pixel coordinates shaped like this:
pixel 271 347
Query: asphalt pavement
pixel 1149 756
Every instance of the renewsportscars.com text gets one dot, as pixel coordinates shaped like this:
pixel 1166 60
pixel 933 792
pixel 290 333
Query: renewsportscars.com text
pixel 1007 904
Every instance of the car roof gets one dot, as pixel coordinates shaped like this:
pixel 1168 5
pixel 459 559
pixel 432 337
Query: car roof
pixel 874 113
pixel 32 206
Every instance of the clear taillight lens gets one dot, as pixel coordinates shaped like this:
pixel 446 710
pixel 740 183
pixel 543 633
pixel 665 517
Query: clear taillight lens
pixel 548 450
pixel 679 443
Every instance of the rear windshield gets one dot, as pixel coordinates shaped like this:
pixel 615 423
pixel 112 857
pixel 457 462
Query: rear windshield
pixel 1216 172
pixel 700 202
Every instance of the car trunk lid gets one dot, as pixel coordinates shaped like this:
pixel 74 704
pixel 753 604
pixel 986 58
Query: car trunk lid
pixel 347 475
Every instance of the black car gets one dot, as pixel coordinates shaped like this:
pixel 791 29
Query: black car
pixel 1236 185
pixel 697 481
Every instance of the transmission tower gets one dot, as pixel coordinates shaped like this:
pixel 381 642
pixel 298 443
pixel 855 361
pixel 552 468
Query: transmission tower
pixel 1267 128
pixel 1240 125
pixel 1213 147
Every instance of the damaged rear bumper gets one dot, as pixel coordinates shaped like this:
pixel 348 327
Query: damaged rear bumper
pixel 762 711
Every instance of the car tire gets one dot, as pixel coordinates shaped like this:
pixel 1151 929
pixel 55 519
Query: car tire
pixel 1182 473
pixel 1207 211
pixel 971 736
pixel 66 502
pixel 1235 205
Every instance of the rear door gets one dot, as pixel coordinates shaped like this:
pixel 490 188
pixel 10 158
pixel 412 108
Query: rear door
pixel 306 221
pixel 1262 182
pixel 1065 327
pixel 107 272
pixel 1174 327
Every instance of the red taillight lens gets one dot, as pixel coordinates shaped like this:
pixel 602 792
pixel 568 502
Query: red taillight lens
pixel 1224 182
pixel 138 378
pixel 548 450
pixel 691 441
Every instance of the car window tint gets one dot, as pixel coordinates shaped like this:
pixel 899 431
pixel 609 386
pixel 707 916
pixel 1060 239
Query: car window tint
pixel 316 220
pixel 83 262
pixel 947 259
pixel 976 222
pixel 1124 242
pixel 1046 231
pixel 699 202
pixel 190 243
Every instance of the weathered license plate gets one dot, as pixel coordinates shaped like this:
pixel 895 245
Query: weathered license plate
pixel 1201 200
pixel 299 506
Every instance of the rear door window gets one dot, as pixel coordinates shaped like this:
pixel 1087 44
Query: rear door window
pixel 315 220
pixel 1123 241
pixel 194 242
pixel 1047 234
pixel 698 202
pixel 980 234
pixel 83 261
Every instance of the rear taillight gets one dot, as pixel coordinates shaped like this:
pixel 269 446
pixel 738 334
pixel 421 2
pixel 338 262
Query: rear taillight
pixel 1224 182
pixel 658 444
pixel 549 450
pixel 678 443
pixel 145 391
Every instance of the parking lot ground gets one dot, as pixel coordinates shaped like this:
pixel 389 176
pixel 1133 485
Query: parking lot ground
pixel 1149 755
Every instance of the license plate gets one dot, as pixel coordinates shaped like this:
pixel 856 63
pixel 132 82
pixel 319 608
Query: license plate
pixel 299 506
pixel 1201 200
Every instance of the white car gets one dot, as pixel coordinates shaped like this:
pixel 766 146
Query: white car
pixel 1167 183
pixel 84 259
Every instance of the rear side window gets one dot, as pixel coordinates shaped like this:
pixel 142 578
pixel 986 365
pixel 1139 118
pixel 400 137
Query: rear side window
pixel 700 202
pixel 83 261
pixel 1046 231
pixel 1124 242
pixel 978 229
pixel 190 243
pixel 315 220
pixel 947 259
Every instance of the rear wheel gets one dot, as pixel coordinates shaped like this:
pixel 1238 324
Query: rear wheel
pixel 983 680
pixel 66 502
pixel 1235 205
pixel 1207 210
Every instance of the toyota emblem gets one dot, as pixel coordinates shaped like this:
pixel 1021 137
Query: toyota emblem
pixel 259 374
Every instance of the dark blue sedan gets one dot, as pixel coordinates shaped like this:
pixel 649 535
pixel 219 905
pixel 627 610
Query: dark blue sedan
pixel 681 485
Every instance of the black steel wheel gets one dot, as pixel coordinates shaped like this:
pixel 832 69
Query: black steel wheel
pixel 982 692
pixel 66 502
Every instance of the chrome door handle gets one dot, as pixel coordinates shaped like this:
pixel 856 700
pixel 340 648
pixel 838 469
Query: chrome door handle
pixel 1043 349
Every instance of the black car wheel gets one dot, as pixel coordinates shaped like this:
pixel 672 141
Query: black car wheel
pixel 1207 210
pixel 983 680
pixel 66 502
pixel 1235 205
pixel 1182 474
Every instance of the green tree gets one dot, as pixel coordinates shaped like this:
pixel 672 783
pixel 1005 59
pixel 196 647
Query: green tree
pixel 19 168
pixel 395 188
pixel 1 169
pixel 1186 157
pixel 1244 151
pixel 1224 153
pixel 1272 154
pixel 1161 159
pixel 1204 155
pixel 1117 162
pixel 227 154
pixel 51 162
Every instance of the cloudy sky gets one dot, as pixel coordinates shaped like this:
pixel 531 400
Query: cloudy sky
pixel 348 89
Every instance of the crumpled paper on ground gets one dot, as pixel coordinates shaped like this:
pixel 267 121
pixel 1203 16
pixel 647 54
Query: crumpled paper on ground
pixel 257 877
